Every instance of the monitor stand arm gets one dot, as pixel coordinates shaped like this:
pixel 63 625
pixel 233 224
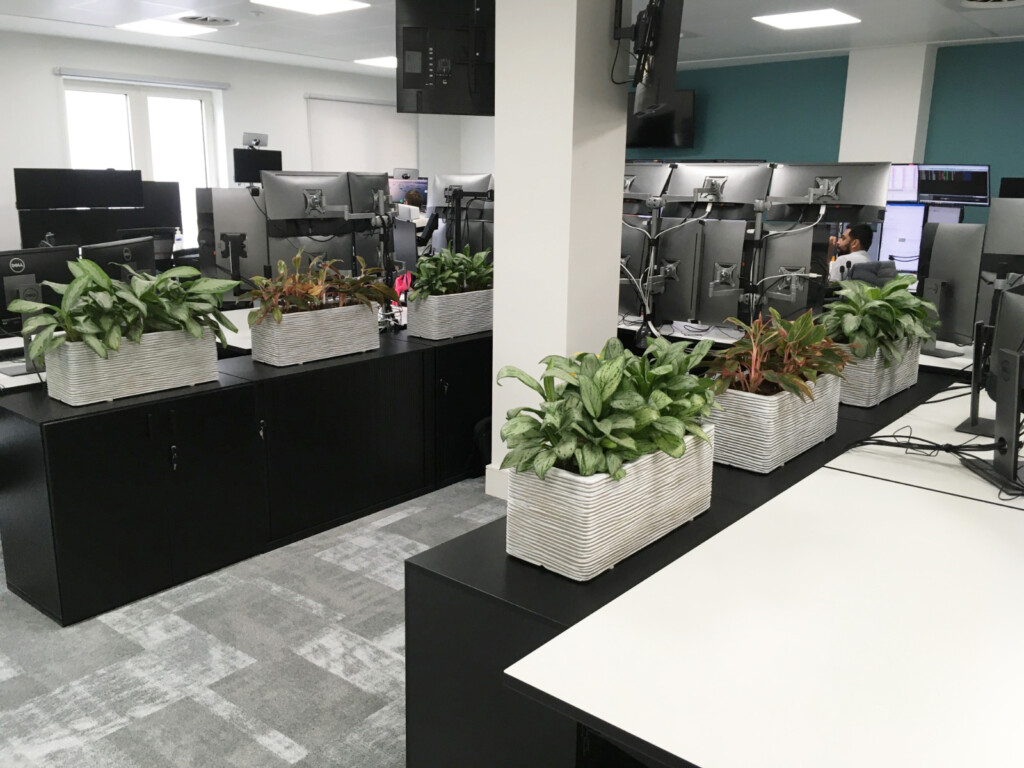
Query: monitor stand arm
pixel 935 291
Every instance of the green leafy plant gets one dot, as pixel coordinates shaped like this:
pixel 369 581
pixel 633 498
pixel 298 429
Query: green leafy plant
pixel 600 411
pixel 872 319
pixel 321 286
pixel 100 311
pixel 451 272
pixel 778 355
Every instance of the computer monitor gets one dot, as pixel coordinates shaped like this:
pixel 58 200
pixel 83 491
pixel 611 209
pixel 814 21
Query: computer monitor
pixel 731 187
pixel 400 188
pixel 249 163
pixel 361 187
pixel 292 195
pixel 951 281
pixel 1005 231
pixel 474 183
pixel 1005 385
pixel 953 184
pixel 646 179
pixel 1011 186
pixel 406 252
pixel 901 235
pixel 137 253
pixel 22 273
pixel 671 127
pixel 1008 334
pixel 903 183
pixel 945 214
pixel 851 191
pixel 55 188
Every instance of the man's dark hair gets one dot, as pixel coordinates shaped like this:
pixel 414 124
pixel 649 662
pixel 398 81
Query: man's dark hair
pixel 864 233
pixel 414 197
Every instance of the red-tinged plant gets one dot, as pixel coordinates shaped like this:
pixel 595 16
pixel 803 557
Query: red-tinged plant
pixel 778 355
pixel 321 286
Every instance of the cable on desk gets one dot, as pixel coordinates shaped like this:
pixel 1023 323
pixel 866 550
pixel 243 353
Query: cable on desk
pixel 947 399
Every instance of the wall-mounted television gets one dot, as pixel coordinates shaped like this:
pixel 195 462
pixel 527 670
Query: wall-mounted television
pixel 445 56
pixel 670 127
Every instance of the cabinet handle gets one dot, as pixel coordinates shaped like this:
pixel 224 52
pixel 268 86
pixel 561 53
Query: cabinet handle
pixel 174 458
pixel 444 386
pixel 262 425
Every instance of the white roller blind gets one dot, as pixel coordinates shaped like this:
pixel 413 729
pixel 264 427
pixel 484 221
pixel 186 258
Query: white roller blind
pixel 352 136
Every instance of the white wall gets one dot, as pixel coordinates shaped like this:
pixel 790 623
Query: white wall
pixel 456 144
pixel 267 98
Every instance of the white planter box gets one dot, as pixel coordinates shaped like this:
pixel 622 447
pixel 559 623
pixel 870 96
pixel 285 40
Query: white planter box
pixel 460 314
pixel 760 433
pixel 866 383
pixel 302 337
pixel 164 360
pixel 580 527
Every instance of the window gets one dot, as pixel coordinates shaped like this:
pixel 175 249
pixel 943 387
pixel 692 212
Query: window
pixel 166 133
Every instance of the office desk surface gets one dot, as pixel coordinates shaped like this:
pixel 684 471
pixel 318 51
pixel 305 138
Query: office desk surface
pixel 942 472
pixel 847 622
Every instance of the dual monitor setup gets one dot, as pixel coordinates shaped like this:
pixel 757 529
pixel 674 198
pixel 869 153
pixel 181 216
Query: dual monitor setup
pixel 24 272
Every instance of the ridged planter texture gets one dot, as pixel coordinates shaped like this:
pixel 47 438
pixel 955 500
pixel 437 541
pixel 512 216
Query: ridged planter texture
pixel 302 337
pixel 458 314
pixel 163 360
pixel 866 383
pixel 580 527
pixel 760 433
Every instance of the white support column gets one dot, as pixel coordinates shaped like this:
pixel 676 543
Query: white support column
pixel 559 146
pixel 888 98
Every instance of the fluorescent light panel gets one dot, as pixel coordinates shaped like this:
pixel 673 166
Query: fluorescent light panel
pixel 315 7
pixel 827 17
pixel 165 27
pixel 388 62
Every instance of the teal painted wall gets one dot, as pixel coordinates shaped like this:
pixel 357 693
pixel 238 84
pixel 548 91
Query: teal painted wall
pixel 788 111
pixel 977 111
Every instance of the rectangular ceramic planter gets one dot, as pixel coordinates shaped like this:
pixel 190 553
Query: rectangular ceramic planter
pixel 760 433
pixel 164 360
pixel 459 314
pixel 302 337
pixel 866 383
pixel 580 527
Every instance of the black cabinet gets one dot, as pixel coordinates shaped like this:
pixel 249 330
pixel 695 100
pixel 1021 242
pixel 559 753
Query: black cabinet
pixel 344 436
pixel 120 500
pixel 463 399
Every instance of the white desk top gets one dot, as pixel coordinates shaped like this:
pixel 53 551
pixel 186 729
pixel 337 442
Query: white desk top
pixel 962 362
pixel 942 472
pixel 242 339
pixel 16 382
pixel 817 631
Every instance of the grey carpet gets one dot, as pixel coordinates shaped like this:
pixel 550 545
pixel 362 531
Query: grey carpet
pixel 292 658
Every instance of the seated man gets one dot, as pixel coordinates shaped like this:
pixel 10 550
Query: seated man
pixel 851 248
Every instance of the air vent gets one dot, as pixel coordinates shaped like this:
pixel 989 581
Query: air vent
pixel 979 5
pixel 220 22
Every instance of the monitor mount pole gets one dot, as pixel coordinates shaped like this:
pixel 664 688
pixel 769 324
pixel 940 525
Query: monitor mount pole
pixel 382 223
pixel 983 337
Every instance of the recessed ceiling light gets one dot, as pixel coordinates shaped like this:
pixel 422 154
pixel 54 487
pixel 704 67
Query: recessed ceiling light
pixel 315 7
pixel 388 62
pixel 166 27
pixel 827 17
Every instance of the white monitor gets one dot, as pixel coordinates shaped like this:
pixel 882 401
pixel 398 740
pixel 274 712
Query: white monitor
pixel 901 236
pixel 903 183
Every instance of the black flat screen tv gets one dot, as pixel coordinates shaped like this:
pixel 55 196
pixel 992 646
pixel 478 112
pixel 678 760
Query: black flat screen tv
pixel 249 163
pixel 445 56
pixel 671 127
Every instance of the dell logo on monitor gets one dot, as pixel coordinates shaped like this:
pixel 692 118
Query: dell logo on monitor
pixel 127 254
pixel 17 266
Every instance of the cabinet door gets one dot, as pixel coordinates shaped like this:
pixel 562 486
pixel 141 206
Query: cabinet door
pixel 108 478
pixel 463 399
pixel 217 508
pixel 346 440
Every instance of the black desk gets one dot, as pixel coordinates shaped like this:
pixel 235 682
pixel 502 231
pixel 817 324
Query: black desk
pixel 472 611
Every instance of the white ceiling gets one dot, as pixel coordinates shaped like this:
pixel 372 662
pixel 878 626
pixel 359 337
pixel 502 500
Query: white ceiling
pixel 714 31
